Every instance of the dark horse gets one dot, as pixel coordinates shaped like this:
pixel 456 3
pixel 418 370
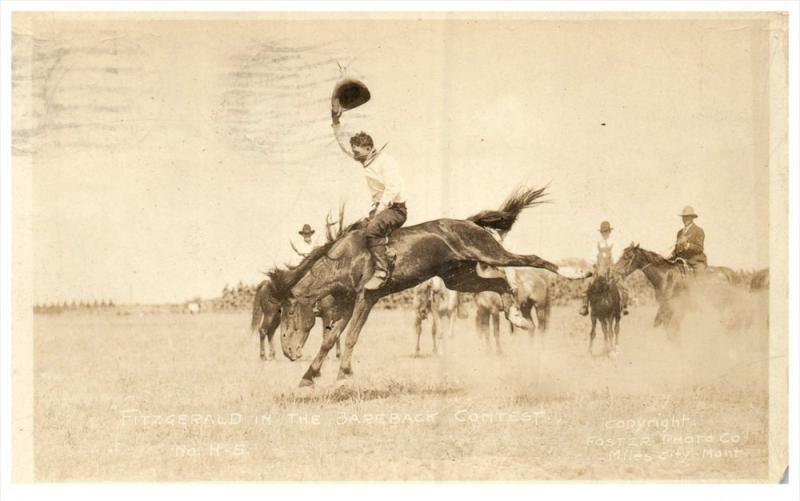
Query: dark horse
pixel 449 248
pixel 270 296
pixel 670 279
pixel 267 317
pixel 605 305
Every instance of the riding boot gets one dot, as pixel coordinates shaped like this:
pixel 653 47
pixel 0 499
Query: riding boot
pixel 380 261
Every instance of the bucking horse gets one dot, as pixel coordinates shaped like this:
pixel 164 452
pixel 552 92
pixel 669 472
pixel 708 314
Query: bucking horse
pixel 451 249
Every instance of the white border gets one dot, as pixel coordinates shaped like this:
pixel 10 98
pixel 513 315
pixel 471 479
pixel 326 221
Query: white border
pixel 387 490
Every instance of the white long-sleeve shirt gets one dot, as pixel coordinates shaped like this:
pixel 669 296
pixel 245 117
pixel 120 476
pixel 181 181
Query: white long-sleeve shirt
pixel 384 181
pixel 382 174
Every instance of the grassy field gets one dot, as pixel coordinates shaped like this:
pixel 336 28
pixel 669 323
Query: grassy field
pixel 174 397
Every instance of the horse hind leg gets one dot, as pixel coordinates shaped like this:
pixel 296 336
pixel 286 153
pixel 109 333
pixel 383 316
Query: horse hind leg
pixel 262 334
pixel 435 331
pixel 268 332
pixel 417 332
pixel 496 328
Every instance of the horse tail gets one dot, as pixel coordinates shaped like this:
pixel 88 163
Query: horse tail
pixel 504 218
pixel 255 321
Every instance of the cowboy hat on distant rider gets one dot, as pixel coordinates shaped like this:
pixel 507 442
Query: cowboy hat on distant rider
pixel 690 241
pixel 605 248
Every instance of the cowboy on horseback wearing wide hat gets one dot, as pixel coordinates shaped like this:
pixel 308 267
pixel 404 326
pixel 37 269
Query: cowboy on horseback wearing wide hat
pixel 690 240
pixel 605 248
pixel 383 180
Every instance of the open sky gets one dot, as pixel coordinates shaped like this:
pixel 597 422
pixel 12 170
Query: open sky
pixel 171 156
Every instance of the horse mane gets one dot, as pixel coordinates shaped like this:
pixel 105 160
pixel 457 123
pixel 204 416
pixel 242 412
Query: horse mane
pixel 503 219
pixel 651 257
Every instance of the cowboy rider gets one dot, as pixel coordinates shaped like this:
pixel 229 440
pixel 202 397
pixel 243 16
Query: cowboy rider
pixel 303 247
pixel 388 201
pixel 606 252
pixel 690 240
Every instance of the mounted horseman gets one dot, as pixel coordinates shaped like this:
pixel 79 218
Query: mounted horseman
pixel 689 243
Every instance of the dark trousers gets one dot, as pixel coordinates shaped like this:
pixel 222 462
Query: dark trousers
pixel 382 224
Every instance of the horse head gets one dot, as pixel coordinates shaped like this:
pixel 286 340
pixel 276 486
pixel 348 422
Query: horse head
pixel 632 259
pixel 297 320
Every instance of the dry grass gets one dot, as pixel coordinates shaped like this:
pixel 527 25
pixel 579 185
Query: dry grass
pixel 535 413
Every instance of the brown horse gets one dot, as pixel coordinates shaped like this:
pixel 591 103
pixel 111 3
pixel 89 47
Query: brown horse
pixel 605 305
pixel 449 248
pixel 267 316
pixel 269 298
pixel 670 279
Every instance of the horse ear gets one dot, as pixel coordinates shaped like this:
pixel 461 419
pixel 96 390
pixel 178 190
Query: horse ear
pixel 637 245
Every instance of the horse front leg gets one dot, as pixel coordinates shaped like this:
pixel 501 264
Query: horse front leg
pixel 331 331
pixel 330 337
pixel 592 333
pixel 268 331
pixel 605 324
pixel 360 313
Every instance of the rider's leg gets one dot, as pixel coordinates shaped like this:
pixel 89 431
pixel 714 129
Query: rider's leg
pixel 378 229
pixel 585 300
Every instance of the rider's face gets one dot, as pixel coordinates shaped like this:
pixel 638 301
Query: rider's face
pixel 361 152
pixel 605 234
pixel 687 220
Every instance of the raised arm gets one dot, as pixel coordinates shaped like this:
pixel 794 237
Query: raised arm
pixel 341 137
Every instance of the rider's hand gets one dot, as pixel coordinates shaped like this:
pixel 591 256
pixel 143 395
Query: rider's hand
pixel 336 111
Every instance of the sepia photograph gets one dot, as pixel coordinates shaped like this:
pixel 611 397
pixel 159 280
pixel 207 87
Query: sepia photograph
pixel 419 246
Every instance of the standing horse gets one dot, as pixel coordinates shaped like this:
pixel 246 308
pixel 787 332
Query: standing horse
pixel 605 305
pixel 449 248
pixel 433 299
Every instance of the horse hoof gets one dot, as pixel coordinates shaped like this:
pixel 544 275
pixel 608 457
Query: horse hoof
pixel 306 383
